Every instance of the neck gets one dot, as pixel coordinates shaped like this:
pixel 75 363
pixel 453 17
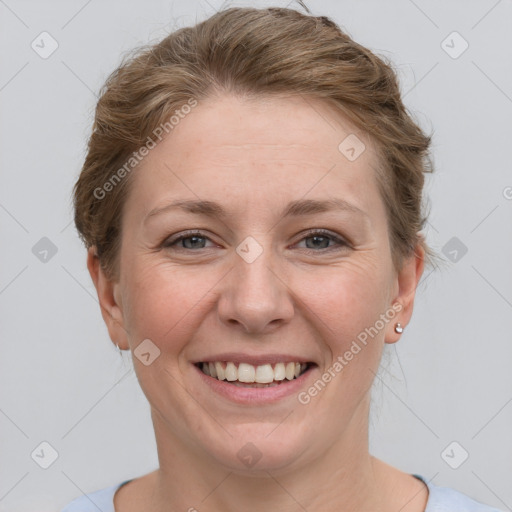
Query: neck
pixel 343 477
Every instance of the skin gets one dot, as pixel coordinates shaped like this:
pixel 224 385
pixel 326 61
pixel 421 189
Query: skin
pixel 254 156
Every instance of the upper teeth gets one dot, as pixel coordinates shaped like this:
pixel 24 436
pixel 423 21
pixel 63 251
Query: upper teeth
pixel 262 374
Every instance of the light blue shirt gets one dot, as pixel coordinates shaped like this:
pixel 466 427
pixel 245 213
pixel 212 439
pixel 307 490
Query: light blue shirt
pixel 440 499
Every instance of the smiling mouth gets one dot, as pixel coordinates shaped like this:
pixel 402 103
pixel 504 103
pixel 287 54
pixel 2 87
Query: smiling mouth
pixel 248 375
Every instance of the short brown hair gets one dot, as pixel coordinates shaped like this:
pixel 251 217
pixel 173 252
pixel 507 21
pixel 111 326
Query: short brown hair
pixel 252 52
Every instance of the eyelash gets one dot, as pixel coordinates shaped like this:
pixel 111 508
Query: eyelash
pixel 170 243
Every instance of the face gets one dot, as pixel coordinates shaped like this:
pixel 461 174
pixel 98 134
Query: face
pixel 266 272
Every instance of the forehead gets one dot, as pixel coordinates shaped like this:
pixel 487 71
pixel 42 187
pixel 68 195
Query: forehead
pixel 246 147
pixel 268 124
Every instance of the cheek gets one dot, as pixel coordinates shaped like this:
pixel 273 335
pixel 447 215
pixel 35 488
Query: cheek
pixel 163 302
pixel 347 298
pixel 167 303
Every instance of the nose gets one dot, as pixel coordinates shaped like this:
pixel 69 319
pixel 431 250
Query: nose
pixel 255 296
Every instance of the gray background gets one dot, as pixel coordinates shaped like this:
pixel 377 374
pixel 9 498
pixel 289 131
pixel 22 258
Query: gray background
pixel 61 379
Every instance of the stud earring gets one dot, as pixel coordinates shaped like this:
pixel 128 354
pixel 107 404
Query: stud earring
pixel 398 328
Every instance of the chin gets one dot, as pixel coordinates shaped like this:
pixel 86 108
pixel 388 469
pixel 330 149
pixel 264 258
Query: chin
pixel 255 449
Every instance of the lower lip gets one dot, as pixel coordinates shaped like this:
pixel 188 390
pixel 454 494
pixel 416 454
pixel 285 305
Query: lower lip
pixel 243 395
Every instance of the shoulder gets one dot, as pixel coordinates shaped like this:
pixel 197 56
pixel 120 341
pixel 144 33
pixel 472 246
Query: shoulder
pixel 103 499
pixel 444 499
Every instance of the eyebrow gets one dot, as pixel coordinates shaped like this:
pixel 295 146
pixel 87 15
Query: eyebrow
pixel 299 207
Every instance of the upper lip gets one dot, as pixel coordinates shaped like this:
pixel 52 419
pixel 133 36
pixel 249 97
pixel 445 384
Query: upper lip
pixel 255 360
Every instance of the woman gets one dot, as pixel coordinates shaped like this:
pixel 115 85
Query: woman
pixel 251 202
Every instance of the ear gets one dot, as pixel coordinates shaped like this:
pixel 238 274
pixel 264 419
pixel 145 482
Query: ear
pixel 109 299
pixel 406 283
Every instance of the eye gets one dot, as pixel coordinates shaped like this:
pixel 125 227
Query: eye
pixel 190 240
pixel 320 240
pixel 195 240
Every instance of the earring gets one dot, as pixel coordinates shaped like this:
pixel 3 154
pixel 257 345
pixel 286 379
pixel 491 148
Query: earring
pixel 398 328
